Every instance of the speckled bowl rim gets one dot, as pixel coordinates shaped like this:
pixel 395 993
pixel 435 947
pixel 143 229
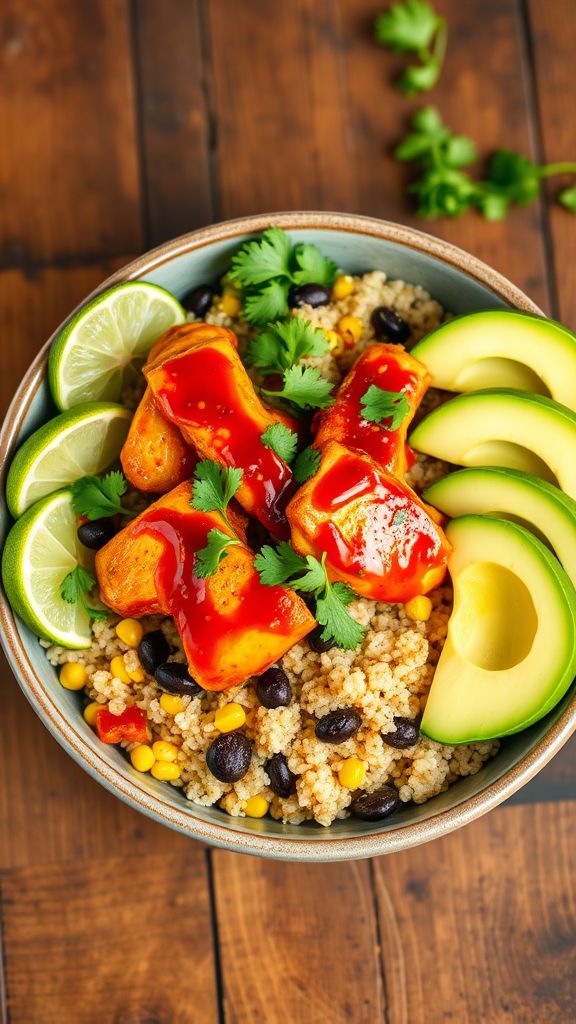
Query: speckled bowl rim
pixel 239 839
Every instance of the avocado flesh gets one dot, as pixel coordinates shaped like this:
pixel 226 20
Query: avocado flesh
pixel 542 508
pixel 503 427
pixel 510 651
pixel 496 349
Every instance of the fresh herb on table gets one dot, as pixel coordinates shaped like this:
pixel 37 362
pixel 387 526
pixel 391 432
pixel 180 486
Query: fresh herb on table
pixel 208 558
pixel 96 497
pixel 76 587
pixel 378 405
pixel 283 343
pixel 282 566
pixel 305 387
pixel 267 267
pixel 213 488
pixel 306 465
pixel 281 440
pixel 414 27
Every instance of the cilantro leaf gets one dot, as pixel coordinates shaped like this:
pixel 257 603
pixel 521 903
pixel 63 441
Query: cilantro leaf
pixel 269 303
pixel 282 343
pixel 281 440
pixel 306 464
pixel 208 558
pixel 98 497
pixel 378 405
pixel 568 198
pixel 214 486
pixel 312 266
pixel 277 565
pixel 332 613
pixel 305 387
pixel 518 176
pixel 75 588
pixel 263 258
pixel 407 27
pixel 419 79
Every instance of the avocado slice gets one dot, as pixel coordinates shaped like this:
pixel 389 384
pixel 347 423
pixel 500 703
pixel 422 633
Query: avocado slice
pixel 502 349
pixel 533 503
pixel 502 427
pixel 510 652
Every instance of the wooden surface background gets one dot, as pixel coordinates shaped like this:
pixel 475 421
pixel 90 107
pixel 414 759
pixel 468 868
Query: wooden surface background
pixel 124 124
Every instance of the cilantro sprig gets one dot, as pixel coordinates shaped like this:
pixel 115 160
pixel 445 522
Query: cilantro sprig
pixel 283 566
pixel 98 497
pixel 214 487
pixel 414 27
pixel 268 266
pixel 208 558
pixel 306 465
pixel 378 404
pixel 75 588
pixel 305 387
pixel 283 343
pixel 281 440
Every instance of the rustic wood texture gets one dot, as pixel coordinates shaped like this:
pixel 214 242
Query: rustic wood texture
pixel 128 122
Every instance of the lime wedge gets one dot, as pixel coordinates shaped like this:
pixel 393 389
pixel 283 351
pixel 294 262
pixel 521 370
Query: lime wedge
pixel 100 351
pixel 80 442
pixel 40 550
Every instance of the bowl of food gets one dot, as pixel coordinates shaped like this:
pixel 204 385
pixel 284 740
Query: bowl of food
pixel 289 525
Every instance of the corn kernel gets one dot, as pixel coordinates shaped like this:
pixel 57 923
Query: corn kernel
pixel 164 751
pixel 342 287
pixel 351 773
pixel 73 676
pixel 130 632
pixel 229 717
pixel 256 806
pixel 136 674
pixel 335 342
pixel 350 327
pixel 171 703
pixel 142 757
pixel 89 713
pixel 230 304
pixel 118 669
pixel 419 608
pixel 164 771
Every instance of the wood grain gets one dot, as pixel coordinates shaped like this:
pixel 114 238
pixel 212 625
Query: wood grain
pixel 480 926
pixel 298 942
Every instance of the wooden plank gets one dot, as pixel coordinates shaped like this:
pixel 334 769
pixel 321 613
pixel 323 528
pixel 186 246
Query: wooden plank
pixel 553 37
pixel 113 939
pixel 298 942
pixel 482 93
pixel 69 182
pixel 479 926
pixel 174 117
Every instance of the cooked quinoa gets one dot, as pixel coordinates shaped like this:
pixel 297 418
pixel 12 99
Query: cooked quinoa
pixel 388 675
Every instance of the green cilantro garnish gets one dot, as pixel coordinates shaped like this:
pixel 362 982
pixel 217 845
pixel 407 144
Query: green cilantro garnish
pixel 306 464
pixel 414 27
pixel 378 405
pixel 208 559
pixel 99 497
pixel 282 566
pixel 75 588
pixel 281 440
pixel 268 266
pixel 214 486
pixel 305 387
pixel 568 198
pixel 281 344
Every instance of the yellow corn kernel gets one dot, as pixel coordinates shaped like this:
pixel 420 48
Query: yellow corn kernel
pixel 351 773
pixel 130 632
pixel 342 287
pixel 171 703
pixel 142 757
pixel 89 713
pixel 419 608
pixel 164 751
pixel 229 717
pixel 231 304
pixel 165 771
pixel 350 327
pixel 73 676
pixel 136 674
pixel 256 806
pixel 118 669
pixel 335 342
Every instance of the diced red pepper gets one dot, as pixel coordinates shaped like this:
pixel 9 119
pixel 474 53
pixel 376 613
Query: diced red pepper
pixel 130 726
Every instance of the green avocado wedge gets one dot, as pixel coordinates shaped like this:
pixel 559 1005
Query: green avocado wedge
pixel 502 349
pixel 510 652
pixel 502 427
pixel 525 499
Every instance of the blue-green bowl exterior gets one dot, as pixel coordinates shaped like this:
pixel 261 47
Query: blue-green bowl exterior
pixel 357 245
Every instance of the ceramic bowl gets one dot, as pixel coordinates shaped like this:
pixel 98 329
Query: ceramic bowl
pixel 358 244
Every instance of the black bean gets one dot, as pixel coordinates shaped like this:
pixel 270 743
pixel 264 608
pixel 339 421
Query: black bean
pixel 153 649
pixel 317 643
pixel 273 688
pixel 338 726
pixel 308 295
pixel 229 756
pixel 96 533
pixel 175 678
pixel 388 326
pixel 375 806
pixel 406 735
pixel 199 300
pixel 282 780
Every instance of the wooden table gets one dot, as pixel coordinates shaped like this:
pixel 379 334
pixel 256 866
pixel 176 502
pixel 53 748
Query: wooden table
pixel 124 124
